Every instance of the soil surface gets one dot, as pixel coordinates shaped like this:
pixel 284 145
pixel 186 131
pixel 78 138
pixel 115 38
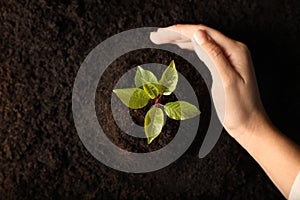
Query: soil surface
pixel 43 44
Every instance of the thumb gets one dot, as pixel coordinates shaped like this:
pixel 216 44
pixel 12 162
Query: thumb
pixel 215 53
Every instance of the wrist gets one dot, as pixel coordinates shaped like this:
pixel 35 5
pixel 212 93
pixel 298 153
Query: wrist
pixel 257 126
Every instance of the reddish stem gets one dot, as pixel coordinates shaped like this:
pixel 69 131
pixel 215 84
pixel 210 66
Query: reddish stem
pixel 157 99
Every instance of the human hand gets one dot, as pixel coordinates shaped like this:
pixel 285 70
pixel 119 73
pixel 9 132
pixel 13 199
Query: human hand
pixel 230 62
pixel 237 100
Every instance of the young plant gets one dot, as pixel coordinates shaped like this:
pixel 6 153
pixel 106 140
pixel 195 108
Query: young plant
pixel 148 88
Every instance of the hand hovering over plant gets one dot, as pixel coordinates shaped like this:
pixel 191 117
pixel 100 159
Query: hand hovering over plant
pixel 245 118
pixel 231 61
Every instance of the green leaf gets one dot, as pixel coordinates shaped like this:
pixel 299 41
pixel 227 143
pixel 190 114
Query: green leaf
pixel 150 89
pixel 133 97
pixel 153 123
pixel 160 88
pixel 142 74
pixel 181 110
pixel 169 78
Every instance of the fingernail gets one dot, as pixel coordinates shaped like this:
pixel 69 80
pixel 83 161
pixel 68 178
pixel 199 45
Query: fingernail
pixel 154 37
pixel 200 37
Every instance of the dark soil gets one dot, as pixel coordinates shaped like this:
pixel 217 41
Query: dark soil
pixel 43 44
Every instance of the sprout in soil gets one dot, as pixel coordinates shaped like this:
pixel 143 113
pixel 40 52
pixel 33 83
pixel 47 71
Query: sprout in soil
pixel 148 88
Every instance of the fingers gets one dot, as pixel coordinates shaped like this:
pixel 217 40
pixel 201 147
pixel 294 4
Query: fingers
pixel 185 45
pixel 189 30
pixel 212 46
pixel 179 33
pixel 165 35
pixel 216 55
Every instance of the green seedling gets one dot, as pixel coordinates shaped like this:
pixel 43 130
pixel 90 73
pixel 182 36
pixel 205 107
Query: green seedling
pixel 148 88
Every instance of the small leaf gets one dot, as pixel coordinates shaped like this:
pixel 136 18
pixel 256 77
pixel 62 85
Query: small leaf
pixel 153 123
pixel 133 97
pixel 181 110
pixel 150 89
pixel 160 88
pixel 169 78
pixel 144 74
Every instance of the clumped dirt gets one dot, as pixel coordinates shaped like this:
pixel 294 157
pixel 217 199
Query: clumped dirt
pixel 43 44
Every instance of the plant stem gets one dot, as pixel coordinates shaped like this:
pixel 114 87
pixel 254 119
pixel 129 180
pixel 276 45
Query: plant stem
pixel 157 99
